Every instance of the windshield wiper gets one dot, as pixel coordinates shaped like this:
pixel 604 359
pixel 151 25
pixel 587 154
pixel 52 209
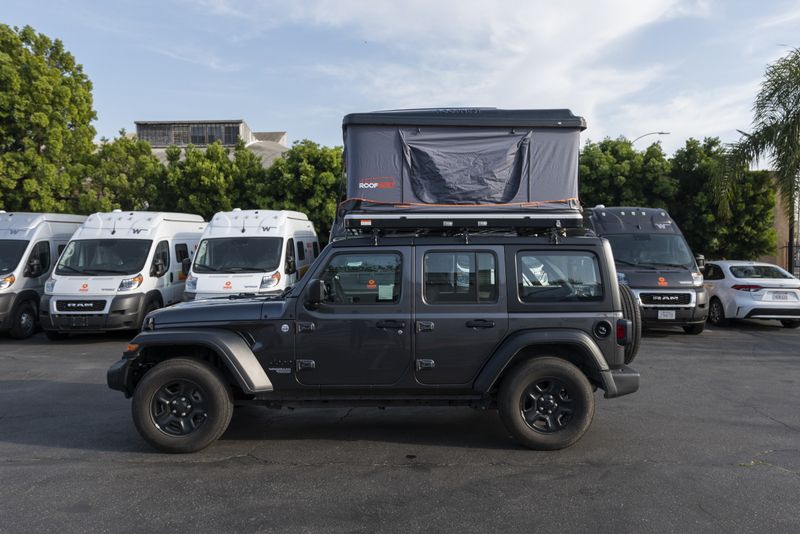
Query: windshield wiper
pixel 673 265
pixel 244 270
pixel 624 262
pixel 204 266
pixel 73 269
pixel 109 271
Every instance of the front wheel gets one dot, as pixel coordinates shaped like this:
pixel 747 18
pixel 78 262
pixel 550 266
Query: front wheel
pixel 546 403
pixel 182 405
pixel 23 320
pixel 788 323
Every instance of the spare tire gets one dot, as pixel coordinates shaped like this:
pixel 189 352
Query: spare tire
pixel 631 311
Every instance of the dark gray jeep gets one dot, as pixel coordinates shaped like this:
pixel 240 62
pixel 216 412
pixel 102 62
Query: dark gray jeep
pixel 489 308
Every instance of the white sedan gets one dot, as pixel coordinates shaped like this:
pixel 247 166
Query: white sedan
pixel 751 290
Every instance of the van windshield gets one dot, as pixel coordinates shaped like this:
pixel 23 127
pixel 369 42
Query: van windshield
pixel 651 251
pixel 104 256
pixel 11 251
pixel 238 254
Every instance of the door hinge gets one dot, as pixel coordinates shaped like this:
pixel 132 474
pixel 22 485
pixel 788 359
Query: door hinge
pixel 425 364
pixel 306 364
pixel 305 326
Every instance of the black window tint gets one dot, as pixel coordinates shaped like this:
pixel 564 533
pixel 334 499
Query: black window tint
pixel 61 249
pixel 713 272
pixel 301 251
pixel 558 277
pixel 162 253
pixel 181 252
pixel 363 279
pixel 41 252
pixel 290 267
pixel 459 277
pixel 316 249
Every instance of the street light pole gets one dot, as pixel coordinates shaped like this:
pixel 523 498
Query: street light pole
pixel 649 133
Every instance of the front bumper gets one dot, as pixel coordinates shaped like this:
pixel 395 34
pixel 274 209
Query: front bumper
pixel 118 375
pixel 124 312
pixel 619 382
pixel 696 312
pixel 6 305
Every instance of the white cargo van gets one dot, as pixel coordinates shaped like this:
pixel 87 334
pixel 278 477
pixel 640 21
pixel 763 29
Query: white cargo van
pixel 30 244
pixel 118 267
pixel 251 251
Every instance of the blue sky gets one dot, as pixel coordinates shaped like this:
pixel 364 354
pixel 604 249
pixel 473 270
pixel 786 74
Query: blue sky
pixel 630 67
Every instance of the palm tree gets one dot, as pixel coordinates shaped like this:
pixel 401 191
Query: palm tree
pixel 775 135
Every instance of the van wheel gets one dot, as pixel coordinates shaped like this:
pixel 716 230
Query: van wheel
pixel 694 329
pixel 182 405
pixel 788 323
pixel 546 403
pixel 53 335
pixel 23 320
pixel 632 312
pixel 716 313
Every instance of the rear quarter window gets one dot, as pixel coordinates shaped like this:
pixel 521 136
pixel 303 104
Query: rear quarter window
pixel 562 276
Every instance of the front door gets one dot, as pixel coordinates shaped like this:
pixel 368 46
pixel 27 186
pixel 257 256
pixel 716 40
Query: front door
pixel 460 313
pixel 361 333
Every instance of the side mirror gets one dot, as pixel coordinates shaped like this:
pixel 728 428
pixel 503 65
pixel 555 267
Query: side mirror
pixel 186 266
pixel 701 261
pixel 159 268
pixel 315 292
pixel 34 268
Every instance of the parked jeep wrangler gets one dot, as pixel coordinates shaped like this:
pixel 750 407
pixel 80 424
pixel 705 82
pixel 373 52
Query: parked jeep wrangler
pixel 437 302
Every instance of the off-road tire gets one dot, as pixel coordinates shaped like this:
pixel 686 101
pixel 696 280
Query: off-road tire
pixel 632 312
pixel 694 329
pixel 716 313
pixel 23 320
pixel 788 323
pixel 206 387
pixel 516 406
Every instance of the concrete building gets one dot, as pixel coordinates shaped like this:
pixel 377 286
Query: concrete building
pixel 162 134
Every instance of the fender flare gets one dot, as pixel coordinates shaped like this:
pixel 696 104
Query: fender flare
pixel 506 353
pixel 231 348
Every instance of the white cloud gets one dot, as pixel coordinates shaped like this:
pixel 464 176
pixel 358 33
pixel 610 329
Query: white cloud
pixel 204 58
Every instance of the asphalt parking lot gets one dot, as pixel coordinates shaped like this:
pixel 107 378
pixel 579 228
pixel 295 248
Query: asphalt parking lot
pixel 711 442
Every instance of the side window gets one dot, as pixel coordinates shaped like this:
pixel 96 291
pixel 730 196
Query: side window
pixel 181 252
pixel 558 277
pixel 715 272
pixel 61 249
pixel 162 254
pixel 352 278
pixel 459 277
pixel 315 245
pixel 301 251
pixel 40 254
pixel 290 267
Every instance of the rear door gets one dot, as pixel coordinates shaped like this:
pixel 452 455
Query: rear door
pixel 460 311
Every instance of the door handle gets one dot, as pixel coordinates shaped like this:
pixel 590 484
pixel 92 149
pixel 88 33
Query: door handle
pixel 306 364
pixel 480 323
pixel 424 326
pixel 390 324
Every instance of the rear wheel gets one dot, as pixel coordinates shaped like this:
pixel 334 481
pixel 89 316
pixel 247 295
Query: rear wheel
pixel 23 320
pixel 694 329
pixel 787 323
pixel 632 312
pixel 716 313
pixel 546 403
pixel 182 405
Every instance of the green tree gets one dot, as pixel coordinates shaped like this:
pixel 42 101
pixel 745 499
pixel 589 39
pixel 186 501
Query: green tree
pixel 123 174
pixel 306 178
pixel 748 230
pixel 613 173
pixel 45 121
pixel 775 135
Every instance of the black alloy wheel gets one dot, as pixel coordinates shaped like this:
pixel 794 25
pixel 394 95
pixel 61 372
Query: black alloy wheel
pixel 547 406
pixel 23 320
pixel 179 408
pixel 716 313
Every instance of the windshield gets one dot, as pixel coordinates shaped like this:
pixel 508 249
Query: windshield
pixel 759 271
pixel 651 251
pixel 11 251
pixel 104 256
pixel 238 254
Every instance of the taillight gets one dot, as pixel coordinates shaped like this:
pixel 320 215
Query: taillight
pixel 624 331
pixel 747 287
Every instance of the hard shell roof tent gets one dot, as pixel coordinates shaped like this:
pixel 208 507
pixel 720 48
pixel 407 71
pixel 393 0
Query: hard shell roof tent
pixel 460 168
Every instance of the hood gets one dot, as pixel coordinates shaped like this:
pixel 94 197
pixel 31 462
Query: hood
pixel 88 285
pixel 219 309
pixel 672 278
pixel 233 283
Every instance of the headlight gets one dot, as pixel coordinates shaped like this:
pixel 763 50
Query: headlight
pixel 697 279
pixel 6 281
pixel 49 286
pixel 270 280
pixel 191 283
pixel 131 283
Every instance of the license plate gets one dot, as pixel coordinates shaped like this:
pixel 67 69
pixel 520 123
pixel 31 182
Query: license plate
pixel 666 314
pixel 79 322
pixel 780 295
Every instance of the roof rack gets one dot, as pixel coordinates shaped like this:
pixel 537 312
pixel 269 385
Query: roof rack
pixel 461 221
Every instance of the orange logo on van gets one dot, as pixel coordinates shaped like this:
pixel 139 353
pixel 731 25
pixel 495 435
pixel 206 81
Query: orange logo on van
pixel 227 285
pixel 371 284
pixel 85 287
pixel 662 281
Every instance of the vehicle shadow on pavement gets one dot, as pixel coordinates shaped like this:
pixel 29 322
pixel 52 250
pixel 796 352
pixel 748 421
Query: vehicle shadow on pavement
pixel 74 339
pixel 442 426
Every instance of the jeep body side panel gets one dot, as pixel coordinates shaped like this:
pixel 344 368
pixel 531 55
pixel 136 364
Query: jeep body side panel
pixel 234 351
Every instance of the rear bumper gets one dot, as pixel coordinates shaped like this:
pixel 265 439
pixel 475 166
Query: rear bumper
pixel 762 312
pixel 124 313
pixel 619 382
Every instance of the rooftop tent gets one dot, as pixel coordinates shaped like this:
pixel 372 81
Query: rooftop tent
pixel 462 160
